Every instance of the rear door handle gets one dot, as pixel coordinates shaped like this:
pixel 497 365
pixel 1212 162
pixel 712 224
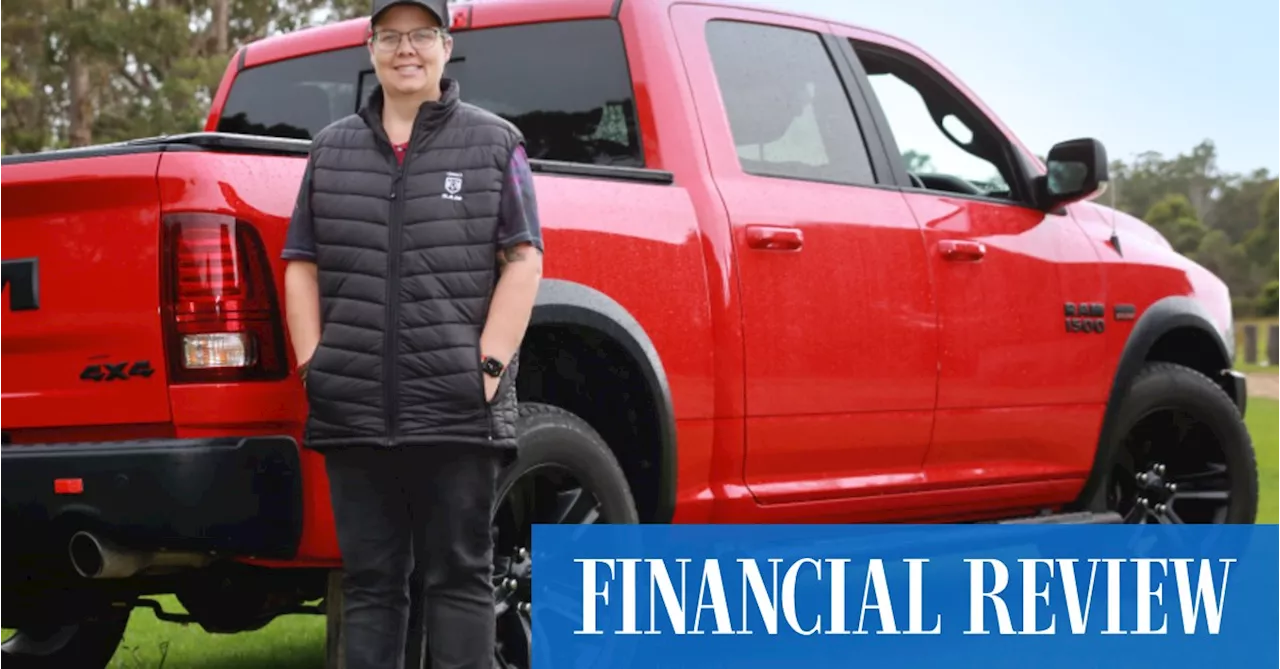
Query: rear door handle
pixel 962 249
pixel 772 238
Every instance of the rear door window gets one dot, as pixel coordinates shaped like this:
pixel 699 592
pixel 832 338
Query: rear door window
pixel 787 109
pixel 566 85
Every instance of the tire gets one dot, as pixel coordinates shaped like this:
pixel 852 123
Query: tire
pixel 556 450
pixel 1176 426
pixel 87 644
pixel 549 435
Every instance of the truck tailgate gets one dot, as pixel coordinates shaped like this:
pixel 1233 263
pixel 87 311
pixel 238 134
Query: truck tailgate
pixel 82 337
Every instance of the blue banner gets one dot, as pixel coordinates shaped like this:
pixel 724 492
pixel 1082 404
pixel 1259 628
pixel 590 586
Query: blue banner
pixel 897 596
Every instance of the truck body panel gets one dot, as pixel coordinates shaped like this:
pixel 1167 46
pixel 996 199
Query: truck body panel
pixel 81 266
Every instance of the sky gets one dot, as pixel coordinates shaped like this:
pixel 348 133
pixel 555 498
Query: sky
pixel 1139 75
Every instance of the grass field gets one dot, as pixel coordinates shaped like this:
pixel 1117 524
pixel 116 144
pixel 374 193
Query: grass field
pixel 1262 419
pixel 297 642
pixel 289 642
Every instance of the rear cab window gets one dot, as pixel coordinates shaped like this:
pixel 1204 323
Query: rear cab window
pixel 565 84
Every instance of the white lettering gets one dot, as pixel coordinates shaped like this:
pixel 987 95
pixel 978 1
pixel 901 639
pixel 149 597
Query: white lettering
pixel 789 596
pixel 884 603
pixel 1145 593
pixel 1079 618
pixel 837 596
pixel 1204 588
pixel 628 595
pixel 915 602
pixel 1113 595
pixel 719 605
pixel 660 580
pixel 1030 595
pixel 589 593
pixel 1141 580
pixel 977 594
pixel 766 601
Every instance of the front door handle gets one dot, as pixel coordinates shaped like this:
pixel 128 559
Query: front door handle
pixel 773 238
pixel 962 249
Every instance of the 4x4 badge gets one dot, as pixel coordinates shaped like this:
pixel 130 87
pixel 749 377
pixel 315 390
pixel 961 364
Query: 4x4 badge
pixel 116 371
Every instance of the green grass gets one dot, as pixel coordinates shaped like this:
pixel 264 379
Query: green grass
pixel 1262 417
pixel 288 642
pixel 297 641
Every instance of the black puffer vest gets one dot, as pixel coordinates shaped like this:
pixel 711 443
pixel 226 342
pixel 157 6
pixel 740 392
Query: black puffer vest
pixel 407 266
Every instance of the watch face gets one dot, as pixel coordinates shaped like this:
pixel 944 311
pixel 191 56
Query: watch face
pixel 492 367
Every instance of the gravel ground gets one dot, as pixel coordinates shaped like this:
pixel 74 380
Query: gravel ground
pixel 1264 384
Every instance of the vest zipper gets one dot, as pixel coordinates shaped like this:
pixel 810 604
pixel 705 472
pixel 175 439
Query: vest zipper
pixel 390 361
pixel 396 231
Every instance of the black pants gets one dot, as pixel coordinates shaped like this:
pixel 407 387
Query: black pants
pixel 424 508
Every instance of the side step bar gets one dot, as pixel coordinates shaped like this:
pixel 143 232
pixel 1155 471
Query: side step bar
pixel 1076 518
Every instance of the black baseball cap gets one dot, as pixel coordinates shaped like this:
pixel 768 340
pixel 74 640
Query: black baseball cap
pixel 437 7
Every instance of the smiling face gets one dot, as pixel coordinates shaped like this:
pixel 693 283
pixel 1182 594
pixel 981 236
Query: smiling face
pixel 409 51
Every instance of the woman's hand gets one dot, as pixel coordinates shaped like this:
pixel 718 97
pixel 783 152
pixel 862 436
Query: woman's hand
pixel 490 387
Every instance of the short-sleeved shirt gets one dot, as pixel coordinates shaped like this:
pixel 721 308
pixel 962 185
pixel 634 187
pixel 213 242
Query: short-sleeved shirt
pixel 517 216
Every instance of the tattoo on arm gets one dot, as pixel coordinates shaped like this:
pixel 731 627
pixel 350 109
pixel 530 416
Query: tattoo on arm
pixel 514 254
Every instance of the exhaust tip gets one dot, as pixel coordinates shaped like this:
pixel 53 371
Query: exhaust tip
pixel 86 555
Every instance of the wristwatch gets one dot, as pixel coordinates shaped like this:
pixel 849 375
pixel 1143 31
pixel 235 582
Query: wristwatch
pixel 492 366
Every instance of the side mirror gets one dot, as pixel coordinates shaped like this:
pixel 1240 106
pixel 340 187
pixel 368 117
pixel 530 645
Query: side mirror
pixel 1076 169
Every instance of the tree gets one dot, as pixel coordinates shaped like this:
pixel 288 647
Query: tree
pixel 1269 300
pixel 1235 210
pixel 1261 243
pixel 1175 219
pixel 111 70
pixel 1228 261
pixel 11 88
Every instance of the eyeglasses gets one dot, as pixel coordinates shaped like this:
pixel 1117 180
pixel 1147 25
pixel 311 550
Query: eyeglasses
pixel 422 38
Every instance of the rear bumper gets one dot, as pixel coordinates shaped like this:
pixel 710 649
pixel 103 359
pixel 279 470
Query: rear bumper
pixel 238 496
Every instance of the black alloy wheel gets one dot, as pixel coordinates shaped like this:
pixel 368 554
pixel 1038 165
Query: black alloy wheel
pixel 564 474
pixel 1185 455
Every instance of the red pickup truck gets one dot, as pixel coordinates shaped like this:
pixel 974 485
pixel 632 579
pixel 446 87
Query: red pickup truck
pixel 796 272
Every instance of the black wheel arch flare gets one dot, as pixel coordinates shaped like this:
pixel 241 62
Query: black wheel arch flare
pixel 563 302
pixel 1165 316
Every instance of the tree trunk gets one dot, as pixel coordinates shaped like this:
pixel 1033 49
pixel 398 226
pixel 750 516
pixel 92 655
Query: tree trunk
pixel 221 16
pixel 80 87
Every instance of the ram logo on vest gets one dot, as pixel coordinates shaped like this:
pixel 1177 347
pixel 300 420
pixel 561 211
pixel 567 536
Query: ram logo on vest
pixel 452 186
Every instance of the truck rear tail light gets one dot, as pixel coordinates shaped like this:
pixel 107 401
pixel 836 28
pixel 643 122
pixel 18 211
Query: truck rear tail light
pixel 208 351
pixel 221 311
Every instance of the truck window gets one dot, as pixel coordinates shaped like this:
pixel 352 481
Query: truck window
pixel 787 109
pixel 566 85
pixel 294 98
pixel 945 142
